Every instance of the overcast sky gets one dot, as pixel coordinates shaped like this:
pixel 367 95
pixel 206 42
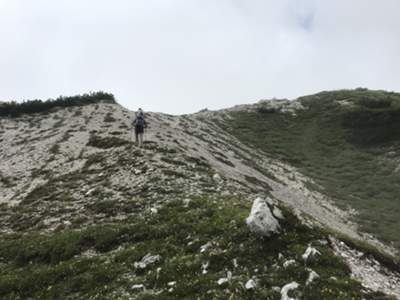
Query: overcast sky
pixel 179 56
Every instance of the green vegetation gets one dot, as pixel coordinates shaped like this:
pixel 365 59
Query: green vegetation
pixel 257 182
pixel 106 142
pixel 109 118
pixel 347 141
pixel 14 109
pixel 99 262
pixel 55 149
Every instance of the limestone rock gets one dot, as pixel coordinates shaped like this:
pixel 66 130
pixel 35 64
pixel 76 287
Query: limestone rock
pixel 286 289
pixel 250 284
pixel 261 220
pixel 148 259
pixel 310 253
pixel 311 277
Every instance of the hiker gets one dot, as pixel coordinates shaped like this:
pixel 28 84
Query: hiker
pixel 139 123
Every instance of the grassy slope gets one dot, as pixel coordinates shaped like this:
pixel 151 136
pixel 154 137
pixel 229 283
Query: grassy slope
pixel 343 148
pixel 52 267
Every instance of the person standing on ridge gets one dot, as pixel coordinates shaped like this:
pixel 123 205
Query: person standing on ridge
pixel 139 123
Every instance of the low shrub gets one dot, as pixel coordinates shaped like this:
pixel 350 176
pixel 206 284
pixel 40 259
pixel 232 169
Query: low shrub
pixel 106 142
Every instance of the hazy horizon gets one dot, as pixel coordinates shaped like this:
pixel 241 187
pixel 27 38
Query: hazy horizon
pixel 178 56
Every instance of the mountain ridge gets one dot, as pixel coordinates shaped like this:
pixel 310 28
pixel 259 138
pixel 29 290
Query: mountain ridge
pixel 58 165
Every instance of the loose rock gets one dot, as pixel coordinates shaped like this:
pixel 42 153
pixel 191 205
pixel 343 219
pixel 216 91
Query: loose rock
pixel 261 221
pixel 287 288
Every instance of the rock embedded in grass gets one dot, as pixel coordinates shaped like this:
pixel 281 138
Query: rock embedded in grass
pixel 310 253
pixel 148 259
pixel 286 289
pixel 311 276
pixel 261 221
pixel 250 284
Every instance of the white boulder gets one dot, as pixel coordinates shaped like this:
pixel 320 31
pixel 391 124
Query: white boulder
pixel 261 220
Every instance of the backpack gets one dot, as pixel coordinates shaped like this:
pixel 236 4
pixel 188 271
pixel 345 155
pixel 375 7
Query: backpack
pixel 140 120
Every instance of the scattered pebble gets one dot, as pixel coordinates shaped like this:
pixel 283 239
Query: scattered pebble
pixel 250 284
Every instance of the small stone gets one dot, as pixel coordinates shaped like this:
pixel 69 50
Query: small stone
pixel 311 277
pixel 250 284
pixel 287 288
pixel 310 253
pixel 276 289
pixel 277 213
pixel 229 275
pixel 205 247
pixel 289 263
pixel 235 263
pixel 147 260
pixel 89 192
pixel 204 267
pixel 137 286
pixel 217 177
pixel 333 278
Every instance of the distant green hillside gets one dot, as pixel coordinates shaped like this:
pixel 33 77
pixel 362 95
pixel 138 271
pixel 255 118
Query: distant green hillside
pixel 347 141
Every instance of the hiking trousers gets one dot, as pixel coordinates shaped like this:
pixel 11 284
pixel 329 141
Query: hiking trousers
pixel 139 130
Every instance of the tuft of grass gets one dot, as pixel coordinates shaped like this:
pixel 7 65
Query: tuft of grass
pixel 109 118
pixel 7 181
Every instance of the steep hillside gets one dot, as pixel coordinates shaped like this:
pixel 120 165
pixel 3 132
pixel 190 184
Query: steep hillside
pixel 84 213
pixel 346 141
